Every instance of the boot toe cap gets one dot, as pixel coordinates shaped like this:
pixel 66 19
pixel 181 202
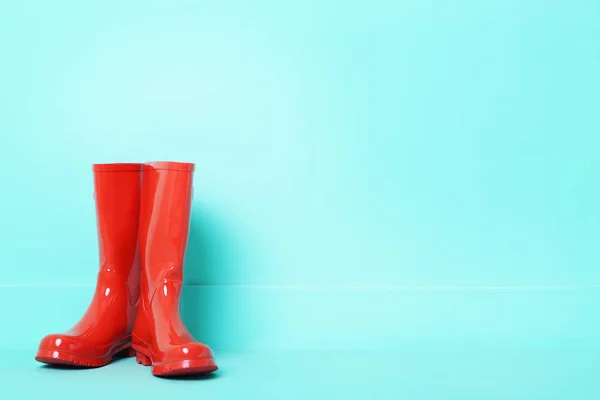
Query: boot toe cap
pixel 61 342
pixel 192 350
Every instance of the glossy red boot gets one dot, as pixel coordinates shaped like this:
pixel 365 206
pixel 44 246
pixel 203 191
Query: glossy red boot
pixel 160 337
pixel 105 329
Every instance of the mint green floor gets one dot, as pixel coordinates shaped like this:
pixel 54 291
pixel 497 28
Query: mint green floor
pixel 413 374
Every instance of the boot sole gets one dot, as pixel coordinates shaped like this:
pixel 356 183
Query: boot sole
pixel 54 357
pixel 197 366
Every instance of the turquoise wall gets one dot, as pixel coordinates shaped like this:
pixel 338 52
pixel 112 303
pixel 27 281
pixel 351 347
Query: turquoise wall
pixel 368 174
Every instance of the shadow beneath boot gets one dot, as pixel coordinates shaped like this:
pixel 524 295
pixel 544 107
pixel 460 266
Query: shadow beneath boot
pixel 204 377
pixel 65 367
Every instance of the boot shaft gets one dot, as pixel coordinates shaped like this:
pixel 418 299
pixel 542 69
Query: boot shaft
pixel 117 191
pixel 164 222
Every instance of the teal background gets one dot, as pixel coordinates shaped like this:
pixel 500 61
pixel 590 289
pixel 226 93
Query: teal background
pixel 377 176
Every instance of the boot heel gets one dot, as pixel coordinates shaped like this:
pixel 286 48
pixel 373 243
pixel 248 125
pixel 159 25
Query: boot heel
pixel 129 352
pixel 142 359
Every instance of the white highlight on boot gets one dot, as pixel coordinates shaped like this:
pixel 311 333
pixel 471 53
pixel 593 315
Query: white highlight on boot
pixel 107 291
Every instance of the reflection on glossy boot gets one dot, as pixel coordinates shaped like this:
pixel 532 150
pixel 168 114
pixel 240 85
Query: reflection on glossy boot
pixel 105 328
pixel 160 337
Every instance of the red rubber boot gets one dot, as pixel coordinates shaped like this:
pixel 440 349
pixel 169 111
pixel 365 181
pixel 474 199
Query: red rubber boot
pixel 160 337
pixel 105 328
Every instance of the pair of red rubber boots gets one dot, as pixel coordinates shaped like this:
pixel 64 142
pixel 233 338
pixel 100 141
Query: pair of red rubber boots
pixel 143 217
